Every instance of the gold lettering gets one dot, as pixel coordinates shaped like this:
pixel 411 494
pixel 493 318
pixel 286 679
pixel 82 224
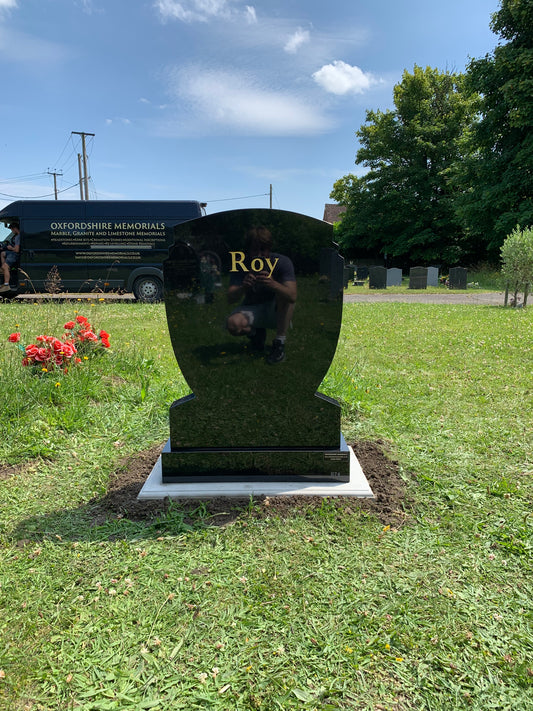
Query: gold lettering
pixel 237 258
pixel 271 265
pixel 259 262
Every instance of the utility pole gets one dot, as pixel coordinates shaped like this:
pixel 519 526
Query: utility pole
pixel 84 156
pixel 271 196
pixel 81 176
pixel 55 181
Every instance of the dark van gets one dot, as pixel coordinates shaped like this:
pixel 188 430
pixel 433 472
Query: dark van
pixel 98 245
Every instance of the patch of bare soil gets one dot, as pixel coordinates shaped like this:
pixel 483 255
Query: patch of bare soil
pixel 381 471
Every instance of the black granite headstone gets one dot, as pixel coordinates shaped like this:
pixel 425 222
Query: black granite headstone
pixel 418 278
pixel 247 417
pixel 457 278
pixel 348 274
pixel 377 278
pixel 361 273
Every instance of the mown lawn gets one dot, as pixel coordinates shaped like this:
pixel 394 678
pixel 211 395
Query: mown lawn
pixel 329 608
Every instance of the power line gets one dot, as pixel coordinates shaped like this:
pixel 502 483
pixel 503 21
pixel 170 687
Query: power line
pixel 30 176
pixel 37 197
pixel 64 149
pixel 244 197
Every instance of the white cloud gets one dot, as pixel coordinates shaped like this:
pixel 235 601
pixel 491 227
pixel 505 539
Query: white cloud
pixel 231 101
pixel 296 40
pixel 204 10
pixel 250 14
pixel 7 4
pixel 341 78
pixel 192 10
pixel 118 119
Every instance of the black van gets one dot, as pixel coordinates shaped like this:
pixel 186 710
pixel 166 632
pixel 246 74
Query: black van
pixel 97 245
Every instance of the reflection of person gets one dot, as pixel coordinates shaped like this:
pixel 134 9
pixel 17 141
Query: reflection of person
pixel 266 283
pixel 10 255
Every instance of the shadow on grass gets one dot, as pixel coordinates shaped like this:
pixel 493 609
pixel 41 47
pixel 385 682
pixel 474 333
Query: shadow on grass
pixel 97 520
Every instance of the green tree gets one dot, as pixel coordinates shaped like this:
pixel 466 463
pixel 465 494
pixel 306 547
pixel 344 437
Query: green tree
pixel 404 204
pixel 517 261
pixel 497 178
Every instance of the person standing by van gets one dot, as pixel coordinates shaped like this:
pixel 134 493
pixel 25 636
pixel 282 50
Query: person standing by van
pixel 10 255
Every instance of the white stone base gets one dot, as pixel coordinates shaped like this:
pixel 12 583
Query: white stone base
pixel 155 489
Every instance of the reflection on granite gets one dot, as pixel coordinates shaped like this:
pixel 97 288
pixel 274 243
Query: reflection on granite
pixel 241 402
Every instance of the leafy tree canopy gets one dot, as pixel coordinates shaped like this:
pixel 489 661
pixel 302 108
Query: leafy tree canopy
pixel 403 205
pixel 497 178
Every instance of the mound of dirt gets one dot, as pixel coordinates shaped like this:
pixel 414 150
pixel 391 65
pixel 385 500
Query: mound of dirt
pixel 381 471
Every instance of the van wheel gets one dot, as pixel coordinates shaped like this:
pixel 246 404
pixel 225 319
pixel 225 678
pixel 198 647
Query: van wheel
pixel 148 289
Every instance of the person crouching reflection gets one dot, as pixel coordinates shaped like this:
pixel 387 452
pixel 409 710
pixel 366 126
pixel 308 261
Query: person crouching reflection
pixel 267 297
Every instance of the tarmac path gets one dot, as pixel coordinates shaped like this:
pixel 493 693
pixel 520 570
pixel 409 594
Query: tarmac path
pixel 493 298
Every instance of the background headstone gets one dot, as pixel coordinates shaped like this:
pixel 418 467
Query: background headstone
pixel 377 278
pixel 394 277
pixel 433 276
pixel 418 278
pixel 361 273
pixel 348 274
pixel 245 417
pixel 457 278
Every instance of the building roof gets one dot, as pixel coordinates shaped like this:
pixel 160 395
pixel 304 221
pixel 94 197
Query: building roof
pixel 333 212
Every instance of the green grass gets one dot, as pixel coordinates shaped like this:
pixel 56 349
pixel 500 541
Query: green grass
pixel 328 609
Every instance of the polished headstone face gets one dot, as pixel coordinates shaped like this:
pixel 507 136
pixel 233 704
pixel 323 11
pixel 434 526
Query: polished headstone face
pixel 239 400
pixel 418 278
pixel 433 276
pixel 377 278
pixel 394 277
pixel 458 278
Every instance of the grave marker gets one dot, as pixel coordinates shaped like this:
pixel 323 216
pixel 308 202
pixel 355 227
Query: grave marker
pixel 394 277
pixel 418 278
pixel 433 276
pixel 457 278
pixel 377 278
pixel 247 418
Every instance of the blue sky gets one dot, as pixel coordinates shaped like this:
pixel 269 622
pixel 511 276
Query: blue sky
pixel 210 100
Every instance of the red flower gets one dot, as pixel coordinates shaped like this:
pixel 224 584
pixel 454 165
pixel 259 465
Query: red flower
pixel 82 319
pixel 103 335
pixel 70 325
pixel 42 355
pixel 14 338
pixel 88 336
pixel 105 343
pixel 68 349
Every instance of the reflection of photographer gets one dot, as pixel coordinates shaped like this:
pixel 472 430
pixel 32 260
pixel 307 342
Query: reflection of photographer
pixel 10 255
pixel 267 295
